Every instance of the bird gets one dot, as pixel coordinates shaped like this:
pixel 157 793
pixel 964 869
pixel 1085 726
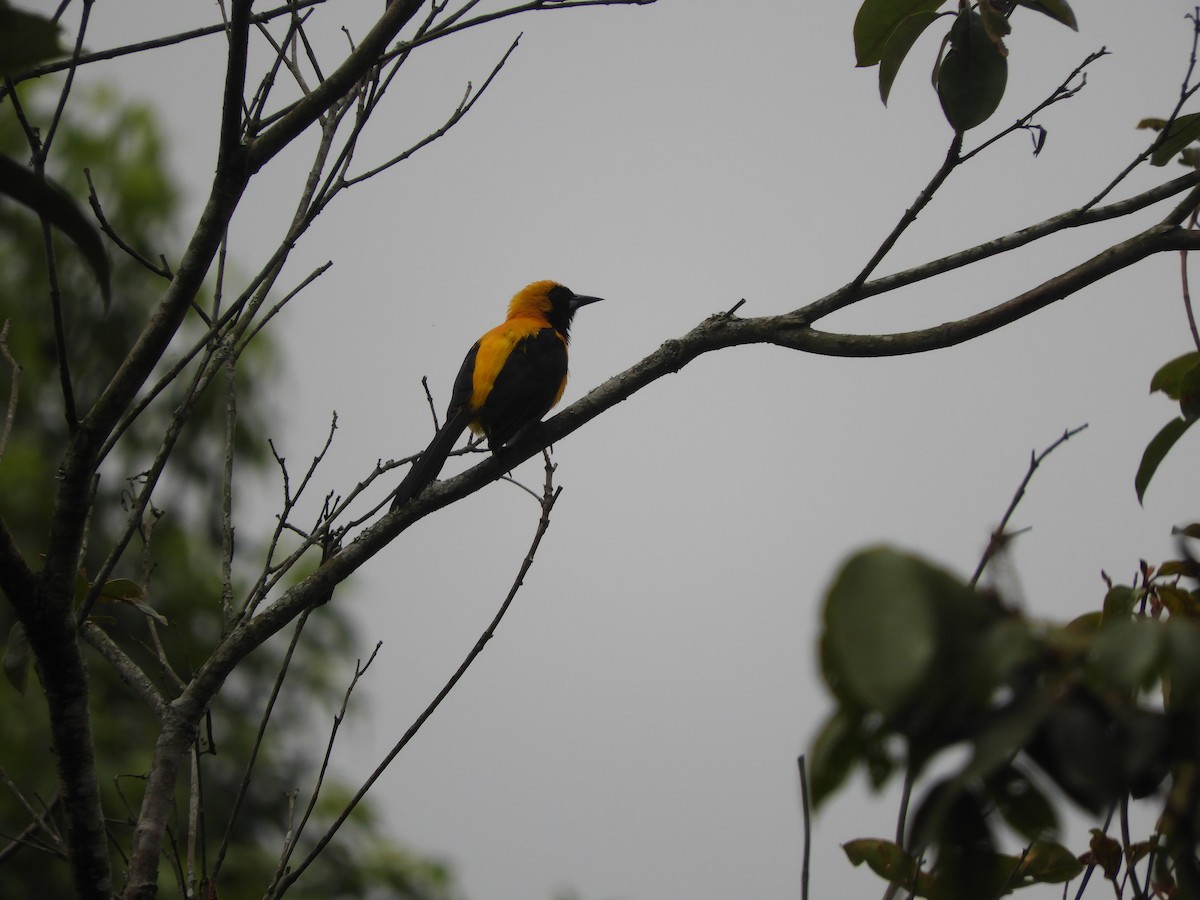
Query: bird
pixel 510 379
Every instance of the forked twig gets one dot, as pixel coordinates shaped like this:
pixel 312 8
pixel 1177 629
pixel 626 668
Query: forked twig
pixel 1000 535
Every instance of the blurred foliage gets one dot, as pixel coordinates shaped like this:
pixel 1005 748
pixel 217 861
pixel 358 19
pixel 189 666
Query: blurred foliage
pixel 1105 708
pixel 174 568
pixel 26 39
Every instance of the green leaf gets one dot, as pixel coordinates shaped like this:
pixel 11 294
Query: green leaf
pixel 1085 625
pixel 1181 687
pixel 1128 655
pixel 889 861
pixel 1005 733
pixel 26 40
pixel 1118 605
pixel 1183 131
pixel 1178 602
pixel 1156 451
pixel 972 76
pixel 1023 806
pixel 1189 394
pixel 1169 378
pixel 1047 862
pixel 18 658
pixel 129 592
pixel 995 23
pixel 836 749
pixel 1074 747
pixel 877 19
pixel 1058 10
pixel 1107 852
pixel 880 631
pixel 896 49
pixel 58 208
pixel 122 589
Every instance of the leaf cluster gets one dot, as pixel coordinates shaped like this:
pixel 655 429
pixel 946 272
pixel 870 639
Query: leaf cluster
pixel 1102 708
pixel 970 71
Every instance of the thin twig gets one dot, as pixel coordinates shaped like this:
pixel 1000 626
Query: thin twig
pixel 227 529
pixel 806 810
pixel 182 414
pixel 360 669
pixel 1091 867
pixel 1000 536
pixel 549 498
pixel 1127 847
pixel 464 107
pixel 40 819
pixel 29 835
pixel 14 388
pixel 1183 279
pixel 244 786
pixel 905 797
pixel 1185 93
pixel 153 44
pixel 312 276
pixel 265 581
pixel 73 65
pixel 1064 91
pixel 948 165
pixel 163 271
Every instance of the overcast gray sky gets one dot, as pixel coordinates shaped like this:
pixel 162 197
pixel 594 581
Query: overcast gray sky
pixel 632 730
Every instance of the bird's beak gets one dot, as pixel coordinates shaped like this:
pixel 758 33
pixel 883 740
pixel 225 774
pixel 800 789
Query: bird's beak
pixel 578 301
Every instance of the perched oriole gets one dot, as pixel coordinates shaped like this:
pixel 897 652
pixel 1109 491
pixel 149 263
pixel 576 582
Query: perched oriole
pixel 510 379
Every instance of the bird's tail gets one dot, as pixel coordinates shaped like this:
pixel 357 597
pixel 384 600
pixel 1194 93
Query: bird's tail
pixel 430 463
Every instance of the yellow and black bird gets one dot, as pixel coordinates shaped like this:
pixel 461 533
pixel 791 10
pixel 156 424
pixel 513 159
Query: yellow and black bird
pixel 510 379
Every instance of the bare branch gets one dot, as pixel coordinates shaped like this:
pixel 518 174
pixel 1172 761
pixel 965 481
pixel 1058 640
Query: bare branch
pixel 951 162
pixel 1075 218
pixel 247 774
pixel 999 536
pixel 129 671
pixel 28 836
pixel 1064 91
pixel 163 271
pixel 155 44
pixel 549 498
pixel 294 836
pixel 461 110
pixel 454 25
pixel 40 820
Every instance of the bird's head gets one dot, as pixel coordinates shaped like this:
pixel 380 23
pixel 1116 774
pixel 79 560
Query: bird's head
pixel 549 300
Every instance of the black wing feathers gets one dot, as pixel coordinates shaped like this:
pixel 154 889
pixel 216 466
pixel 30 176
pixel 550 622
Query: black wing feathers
pixel 526 387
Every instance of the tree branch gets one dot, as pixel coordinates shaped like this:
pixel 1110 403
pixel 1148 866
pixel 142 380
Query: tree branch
pixel 549 497
pixel 339 83
pixel 790 330
pixel 154 44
